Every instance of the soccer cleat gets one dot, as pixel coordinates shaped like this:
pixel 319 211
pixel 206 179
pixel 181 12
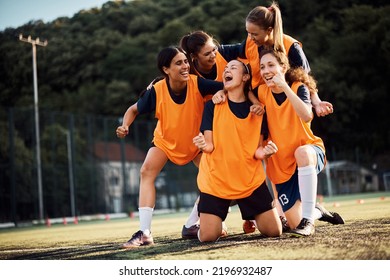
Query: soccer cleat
pixel 305 228
pixel 285 226
pixel 248 226
pixel 138 239
pixel 191 232
pixel 330 217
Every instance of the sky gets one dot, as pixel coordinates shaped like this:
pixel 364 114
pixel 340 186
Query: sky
pixel 15 13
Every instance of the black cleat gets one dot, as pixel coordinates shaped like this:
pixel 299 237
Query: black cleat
pixel 191 232
pixel 285 226
pixel 330 217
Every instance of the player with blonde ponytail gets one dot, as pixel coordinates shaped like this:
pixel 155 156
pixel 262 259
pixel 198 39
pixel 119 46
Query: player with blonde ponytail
pixel 265 30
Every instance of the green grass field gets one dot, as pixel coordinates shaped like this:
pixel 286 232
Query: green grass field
pixel 364 236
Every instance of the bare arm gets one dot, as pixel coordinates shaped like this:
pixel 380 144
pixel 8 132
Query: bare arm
pixel 128 119
pixel 322 108
pixel 303 110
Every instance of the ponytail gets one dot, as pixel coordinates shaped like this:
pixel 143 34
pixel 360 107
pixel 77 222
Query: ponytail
pixel 277 27
pixel 192 43
pixel 270 17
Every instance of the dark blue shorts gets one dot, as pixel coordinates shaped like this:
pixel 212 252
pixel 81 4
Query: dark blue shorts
pixel 288 192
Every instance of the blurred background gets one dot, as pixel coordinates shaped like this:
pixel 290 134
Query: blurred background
pixel 96 62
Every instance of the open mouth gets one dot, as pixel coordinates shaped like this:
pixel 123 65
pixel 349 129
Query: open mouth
pixel 228 78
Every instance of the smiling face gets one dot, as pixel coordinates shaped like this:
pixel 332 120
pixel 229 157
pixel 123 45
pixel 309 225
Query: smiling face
pixel 178 70
pixel 270 66
pixel 235 75
pixel 206 55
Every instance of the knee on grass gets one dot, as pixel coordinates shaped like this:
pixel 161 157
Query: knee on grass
pixel 271 231
pixel 208 236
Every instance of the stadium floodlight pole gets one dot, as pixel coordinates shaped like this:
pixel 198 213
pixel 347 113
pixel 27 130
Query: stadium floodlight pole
pixel 71 180
pixel 34 43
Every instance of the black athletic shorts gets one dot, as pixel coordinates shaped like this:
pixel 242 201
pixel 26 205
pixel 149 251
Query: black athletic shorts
pixel 258 202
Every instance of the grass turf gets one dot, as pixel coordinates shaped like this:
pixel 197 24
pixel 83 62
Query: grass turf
pixel 364 236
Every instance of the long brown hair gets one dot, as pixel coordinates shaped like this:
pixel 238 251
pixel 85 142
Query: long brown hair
pixel 192 43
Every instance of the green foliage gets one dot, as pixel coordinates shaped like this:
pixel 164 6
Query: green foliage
pixel 119 42
pixel 169 35
pixel 22 158
pixel 349 57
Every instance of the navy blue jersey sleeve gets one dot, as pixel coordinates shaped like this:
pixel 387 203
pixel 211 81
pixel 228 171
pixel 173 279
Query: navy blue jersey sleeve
pixel 256 92
pixel 208 87
pixel 264 126
pixel 147 102
pixel 297 57
pixel 304 94
pixel 242 53
pixel 208 116
pixel 232 51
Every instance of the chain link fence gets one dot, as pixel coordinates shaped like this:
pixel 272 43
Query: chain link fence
pixel 85 168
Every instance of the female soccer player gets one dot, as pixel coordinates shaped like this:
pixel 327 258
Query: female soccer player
pixel 231 165
pixel 301 154
pixel 178 104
